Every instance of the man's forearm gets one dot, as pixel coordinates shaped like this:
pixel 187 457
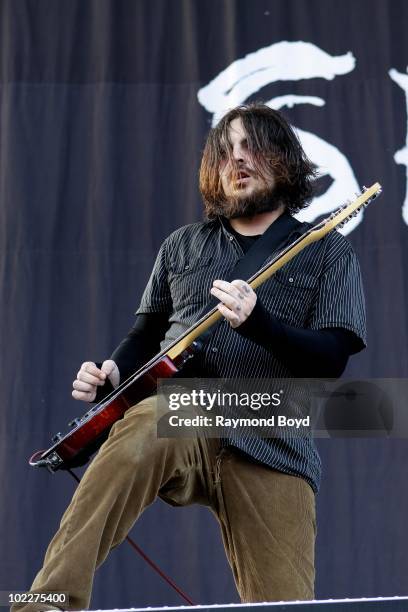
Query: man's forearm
pixel 305 352
pixel 141 343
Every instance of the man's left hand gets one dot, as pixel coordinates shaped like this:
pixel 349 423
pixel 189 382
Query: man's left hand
pixel 237 300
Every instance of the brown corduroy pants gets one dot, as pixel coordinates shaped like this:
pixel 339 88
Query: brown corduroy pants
pixel 267 518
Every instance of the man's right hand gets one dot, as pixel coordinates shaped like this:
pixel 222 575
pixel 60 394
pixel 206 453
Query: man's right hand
pixel 89 378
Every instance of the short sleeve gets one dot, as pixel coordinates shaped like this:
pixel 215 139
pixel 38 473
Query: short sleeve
pixel 157 296
pixel 340 300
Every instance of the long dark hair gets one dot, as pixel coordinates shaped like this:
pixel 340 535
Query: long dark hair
pixel 272 144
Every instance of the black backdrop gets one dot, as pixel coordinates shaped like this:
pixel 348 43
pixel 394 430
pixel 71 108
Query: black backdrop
pixel 101 130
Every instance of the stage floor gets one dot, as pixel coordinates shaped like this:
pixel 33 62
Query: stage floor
pixel 378 604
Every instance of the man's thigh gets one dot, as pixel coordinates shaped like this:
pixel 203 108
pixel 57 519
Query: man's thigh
pixel 268 524
pixel 183 465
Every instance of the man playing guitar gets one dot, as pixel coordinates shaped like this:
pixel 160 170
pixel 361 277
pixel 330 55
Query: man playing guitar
pixel 305 321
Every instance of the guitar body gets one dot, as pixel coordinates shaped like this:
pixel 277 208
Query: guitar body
pixel 91 430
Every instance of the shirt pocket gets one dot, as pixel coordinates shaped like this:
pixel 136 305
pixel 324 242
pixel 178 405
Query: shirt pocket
pixel 293 295
pixel 191 281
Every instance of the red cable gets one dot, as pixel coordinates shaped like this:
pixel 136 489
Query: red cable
pixel 149 561
pixel 159 571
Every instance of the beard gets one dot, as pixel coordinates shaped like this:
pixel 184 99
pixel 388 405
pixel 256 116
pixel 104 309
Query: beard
pixel 260 201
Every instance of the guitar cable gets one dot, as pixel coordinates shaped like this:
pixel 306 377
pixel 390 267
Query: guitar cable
pixel 152 564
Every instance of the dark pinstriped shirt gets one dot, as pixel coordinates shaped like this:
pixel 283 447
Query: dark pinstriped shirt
pixel 320 288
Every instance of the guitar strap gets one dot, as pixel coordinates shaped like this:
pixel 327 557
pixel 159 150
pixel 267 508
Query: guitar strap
pixel 277 235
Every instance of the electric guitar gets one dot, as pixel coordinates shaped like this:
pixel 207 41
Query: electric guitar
pixel 88 432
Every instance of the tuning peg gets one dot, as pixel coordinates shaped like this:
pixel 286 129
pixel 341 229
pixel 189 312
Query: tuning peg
pixel 364 188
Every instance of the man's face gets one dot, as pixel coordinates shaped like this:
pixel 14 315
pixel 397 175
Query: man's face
pixel 247 193
pixel 248 182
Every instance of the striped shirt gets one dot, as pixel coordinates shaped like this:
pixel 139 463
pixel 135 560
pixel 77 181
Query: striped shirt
pixel 320 288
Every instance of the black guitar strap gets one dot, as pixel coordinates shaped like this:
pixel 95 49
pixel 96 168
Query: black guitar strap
pixel 275 236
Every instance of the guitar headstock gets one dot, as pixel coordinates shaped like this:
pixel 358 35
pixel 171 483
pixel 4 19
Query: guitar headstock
pixel 342 215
